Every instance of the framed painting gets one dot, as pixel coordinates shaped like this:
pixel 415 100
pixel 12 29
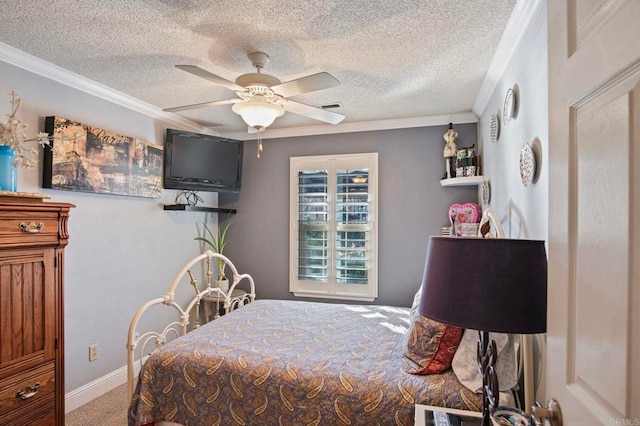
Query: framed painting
pixel 90 159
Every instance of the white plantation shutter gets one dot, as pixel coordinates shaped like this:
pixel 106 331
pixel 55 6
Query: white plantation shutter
pixel 352 226
pixel 333 247
pixel 313 228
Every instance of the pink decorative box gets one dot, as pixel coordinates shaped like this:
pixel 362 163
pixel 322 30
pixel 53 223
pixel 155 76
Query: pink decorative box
pixel 464 219
pixel 464 213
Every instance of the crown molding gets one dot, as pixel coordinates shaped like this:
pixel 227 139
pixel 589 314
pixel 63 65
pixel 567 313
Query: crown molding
pixel 521 17
pixel 38 66
pixel 359 126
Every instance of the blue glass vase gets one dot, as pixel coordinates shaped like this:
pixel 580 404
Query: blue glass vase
pixel 8 172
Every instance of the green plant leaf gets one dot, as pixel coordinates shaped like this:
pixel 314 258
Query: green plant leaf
pixel 217 241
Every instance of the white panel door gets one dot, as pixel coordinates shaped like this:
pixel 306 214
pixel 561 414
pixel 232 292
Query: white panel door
pixel 593 340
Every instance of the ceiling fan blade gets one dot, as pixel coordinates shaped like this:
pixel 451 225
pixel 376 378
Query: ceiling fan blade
pixel 202 105
pixel 310 83
pixel 192 69
pixel 312 112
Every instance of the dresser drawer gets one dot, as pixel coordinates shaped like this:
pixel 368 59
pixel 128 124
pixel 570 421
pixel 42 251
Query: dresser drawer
pixel 30 390
pixel 43 415
pixel 28 228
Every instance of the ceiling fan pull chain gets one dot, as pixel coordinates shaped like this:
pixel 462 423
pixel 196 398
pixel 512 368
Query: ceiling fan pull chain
pixel 260 147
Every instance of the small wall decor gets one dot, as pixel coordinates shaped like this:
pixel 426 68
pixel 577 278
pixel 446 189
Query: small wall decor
pixel 101 161
pixel 494 132
pixel 527 164
pixel 510 105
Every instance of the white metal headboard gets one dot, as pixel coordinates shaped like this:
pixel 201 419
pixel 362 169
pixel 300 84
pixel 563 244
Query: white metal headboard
pixel 488 222
pixel 141 341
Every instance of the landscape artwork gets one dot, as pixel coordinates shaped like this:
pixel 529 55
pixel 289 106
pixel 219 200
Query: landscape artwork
pixel 90 159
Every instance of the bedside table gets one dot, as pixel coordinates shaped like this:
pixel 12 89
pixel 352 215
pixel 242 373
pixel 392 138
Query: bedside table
pixel 236 296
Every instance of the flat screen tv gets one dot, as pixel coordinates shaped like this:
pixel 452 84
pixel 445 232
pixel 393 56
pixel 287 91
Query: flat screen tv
pixel 198 162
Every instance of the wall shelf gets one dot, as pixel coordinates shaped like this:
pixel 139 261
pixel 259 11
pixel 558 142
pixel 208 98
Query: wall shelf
pixel 463 181
pixel 186 207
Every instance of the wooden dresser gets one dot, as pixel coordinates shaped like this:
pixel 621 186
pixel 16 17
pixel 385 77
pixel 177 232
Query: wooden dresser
pixel 33 234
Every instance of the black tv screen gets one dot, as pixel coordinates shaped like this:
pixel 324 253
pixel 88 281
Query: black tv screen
pixel 198 162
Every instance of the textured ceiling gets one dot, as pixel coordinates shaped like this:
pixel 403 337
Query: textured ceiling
pixel 396 59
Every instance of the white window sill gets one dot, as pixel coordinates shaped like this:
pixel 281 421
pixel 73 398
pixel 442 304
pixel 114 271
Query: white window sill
pixel 334 296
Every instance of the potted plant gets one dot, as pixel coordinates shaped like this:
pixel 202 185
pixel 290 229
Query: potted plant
pixel 217 240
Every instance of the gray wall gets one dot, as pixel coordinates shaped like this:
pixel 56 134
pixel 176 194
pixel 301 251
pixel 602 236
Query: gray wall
pixel 122 250
pixel 523 211
pixel 412 205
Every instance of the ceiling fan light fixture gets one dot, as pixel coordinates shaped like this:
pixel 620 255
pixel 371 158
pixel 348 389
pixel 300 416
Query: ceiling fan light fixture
pixel 262 97
pixel 258 114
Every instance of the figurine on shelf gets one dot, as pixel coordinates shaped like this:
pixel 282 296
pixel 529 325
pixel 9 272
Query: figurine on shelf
pixel 450 150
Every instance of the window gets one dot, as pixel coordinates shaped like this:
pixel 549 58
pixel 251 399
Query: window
pixel 333 226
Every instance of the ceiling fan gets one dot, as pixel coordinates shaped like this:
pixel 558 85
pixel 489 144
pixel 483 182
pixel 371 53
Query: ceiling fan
pixel 262 97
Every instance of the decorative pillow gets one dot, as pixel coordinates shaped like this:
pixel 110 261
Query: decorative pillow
pixel 416 302
pixel 431 344
pixel 465 364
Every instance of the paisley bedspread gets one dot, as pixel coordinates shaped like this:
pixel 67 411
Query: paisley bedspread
pixel 292 363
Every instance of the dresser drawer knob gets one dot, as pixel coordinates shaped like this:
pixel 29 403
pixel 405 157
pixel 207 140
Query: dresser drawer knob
pixel 28 392
pixel 32 227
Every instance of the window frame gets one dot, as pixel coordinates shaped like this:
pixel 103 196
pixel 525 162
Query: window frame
pixel 332 289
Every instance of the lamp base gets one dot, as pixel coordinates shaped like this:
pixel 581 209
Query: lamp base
pixel 487 356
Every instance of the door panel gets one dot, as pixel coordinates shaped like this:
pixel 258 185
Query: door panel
pixel 590 14
pixel 601 216
pixel 27 313
pixel 593 335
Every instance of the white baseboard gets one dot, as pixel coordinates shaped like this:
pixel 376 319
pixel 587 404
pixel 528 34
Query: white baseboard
pixel 80 396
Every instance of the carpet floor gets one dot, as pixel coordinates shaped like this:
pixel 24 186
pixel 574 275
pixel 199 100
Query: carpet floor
pixel 108 410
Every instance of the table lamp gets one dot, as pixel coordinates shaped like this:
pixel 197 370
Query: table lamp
pixel 489 285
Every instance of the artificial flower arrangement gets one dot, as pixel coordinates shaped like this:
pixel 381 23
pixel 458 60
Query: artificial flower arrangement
pixel 13 134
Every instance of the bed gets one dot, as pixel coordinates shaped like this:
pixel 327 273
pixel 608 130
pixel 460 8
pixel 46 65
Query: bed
pixel 274 362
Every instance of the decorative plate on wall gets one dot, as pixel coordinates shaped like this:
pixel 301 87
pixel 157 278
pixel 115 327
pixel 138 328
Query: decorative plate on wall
pixel 495 127
pixel 509 107
pixel 486 193
pixel 527 164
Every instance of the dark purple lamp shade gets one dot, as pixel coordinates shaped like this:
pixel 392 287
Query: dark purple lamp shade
pixel 486 284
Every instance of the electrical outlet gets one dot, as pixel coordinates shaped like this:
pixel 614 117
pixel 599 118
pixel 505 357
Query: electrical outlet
pixel 93 353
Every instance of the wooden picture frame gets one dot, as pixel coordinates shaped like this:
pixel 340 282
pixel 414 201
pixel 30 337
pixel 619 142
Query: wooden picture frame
pixel 90 159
